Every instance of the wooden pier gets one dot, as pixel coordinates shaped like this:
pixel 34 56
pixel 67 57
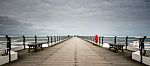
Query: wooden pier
pixel 74 52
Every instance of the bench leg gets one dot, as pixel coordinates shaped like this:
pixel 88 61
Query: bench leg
pixel 116 49
pixel 41 46
pixel 35 48
pixel 122 49
pixel 29 49
pixel 110 47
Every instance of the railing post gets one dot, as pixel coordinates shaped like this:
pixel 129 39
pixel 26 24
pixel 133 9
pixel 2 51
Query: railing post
pixel 59 38
pixel 141 41
pixel 48 40
pixel 35 39
pixel 9 47
pixel 99 40
pixel 102 40
pixel 55 39
pixel 24 41
pixel 115 40
pixel 126 42
pixel 51 40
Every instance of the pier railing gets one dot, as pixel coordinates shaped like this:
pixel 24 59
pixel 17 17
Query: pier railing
pixel 132 43
pixel 9 43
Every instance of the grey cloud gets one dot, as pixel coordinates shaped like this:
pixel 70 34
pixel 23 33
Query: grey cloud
pixel 6 21
pixel 11 25
pixel 77 16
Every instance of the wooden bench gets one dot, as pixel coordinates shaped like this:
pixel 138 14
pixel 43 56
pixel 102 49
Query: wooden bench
pixel 116 46
pixel 35 46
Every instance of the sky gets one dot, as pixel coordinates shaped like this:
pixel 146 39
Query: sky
pixel 75 17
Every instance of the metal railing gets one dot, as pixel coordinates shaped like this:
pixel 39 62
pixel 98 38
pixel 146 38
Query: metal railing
pixel 8 42
pixel 141 43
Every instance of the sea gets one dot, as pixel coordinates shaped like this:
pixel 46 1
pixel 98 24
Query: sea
pixel 18 41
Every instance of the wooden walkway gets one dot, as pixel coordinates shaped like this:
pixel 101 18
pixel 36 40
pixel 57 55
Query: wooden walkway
pixel 74 52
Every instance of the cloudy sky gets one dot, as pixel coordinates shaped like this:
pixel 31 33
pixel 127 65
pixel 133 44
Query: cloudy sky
pixel 82 17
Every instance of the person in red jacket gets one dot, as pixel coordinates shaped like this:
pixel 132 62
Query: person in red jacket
pixel 96 39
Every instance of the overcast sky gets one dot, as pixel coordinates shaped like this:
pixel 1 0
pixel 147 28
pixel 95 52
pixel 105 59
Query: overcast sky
pixel 82 17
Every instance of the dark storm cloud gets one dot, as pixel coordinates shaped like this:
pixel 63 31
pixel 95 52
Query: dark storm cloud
pixel 10 25
pixel 10 22
pixel 80 16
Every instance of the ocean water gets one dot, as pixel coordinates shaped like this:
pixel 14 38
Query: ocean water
pixel 122 40
pixel 18 41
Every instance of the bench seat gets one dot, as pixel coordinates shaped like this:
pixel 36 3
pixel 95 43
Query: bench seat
pixel 35 46
pixel 116 46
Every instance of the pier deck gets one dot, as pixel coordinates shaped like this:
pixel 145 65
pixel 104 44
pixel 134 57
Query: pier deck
pixel 74 52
